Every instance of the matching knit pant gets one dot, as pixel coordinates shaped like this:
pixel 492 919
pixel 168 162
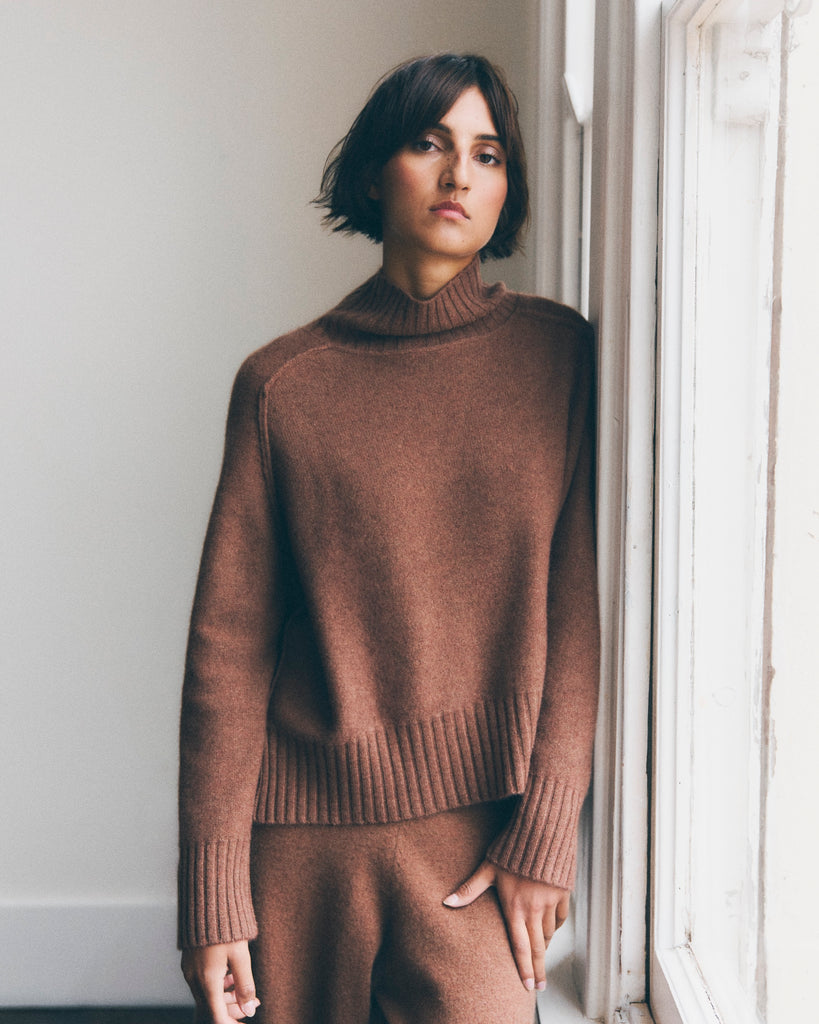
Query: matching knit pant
pixel 352 929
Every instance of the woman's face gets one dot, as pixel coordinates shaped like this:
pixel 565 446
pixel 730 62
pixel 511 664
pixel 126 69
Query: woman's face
pixel 441 194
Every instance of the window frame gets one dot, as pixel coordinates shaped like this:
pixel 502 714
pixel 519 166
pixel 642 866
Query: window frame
pixel 679 990
pixel 622 308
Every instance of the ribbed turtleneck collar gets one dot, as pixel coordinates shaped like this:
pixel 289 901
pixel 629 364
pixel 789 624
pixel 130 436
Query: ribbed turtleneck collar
pixel 380 308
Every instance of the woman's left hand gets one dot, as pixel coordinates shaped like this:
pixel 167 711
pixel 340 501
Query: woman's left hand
pixel 533 911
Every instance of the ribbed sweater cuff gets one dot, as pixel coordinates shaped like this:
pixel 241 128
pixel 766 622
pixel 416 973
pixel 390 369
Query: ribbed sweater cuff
pixel 540 842
pixel 214 893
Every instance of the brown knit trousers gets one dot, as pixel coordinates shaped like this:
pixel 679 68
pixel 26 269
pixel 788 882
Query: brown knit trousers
pixel 352 929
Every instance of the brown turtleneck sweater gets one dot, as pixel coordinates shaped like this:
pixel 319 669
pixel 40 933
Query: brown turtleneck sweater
pixel 396 611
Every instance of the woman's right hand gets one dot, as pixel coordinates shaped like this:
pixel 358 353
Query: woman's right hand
pixel 221 980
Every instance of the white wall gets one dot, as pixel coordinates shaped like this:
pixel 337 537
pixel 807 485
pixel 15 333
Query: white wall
pixel 157 163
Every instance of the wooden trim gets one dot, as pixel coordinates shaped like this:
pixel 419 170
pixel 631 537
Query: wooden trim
pixel 623 308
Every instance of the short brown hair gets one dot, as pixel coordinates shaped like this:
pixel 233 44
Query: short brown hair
pixel 408 100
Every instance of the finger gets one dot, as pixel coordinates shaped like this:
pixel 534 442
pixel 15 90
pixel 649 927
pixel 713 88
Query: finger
pixel 562 909
pixel 204 972
pixel 537 945
pixel 213 990
pixel 548 924
pixel 244 987
pixel 473 887
pixel 522 951
pixel 230 994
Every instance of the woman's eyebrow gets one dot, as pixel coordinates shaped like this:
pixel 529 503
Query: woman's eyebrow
pixel 479 138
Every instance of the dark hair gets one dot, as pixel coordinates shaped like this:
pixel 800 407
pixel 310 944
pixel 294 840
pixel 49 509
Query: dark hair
pixel 407 101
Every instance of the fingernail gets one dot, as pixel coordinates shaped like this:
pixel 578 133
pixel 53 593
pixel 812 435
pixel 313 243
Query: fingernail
pixel 452 901
pixel 249 1009
pixel 529 984
pixel 541 985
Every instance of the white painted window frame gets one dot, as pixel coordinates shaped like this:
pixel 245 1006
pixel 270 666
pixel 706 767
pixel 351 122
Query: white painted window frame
pixel 621 236
pixel 679 991
pixel 612 943
pixel 622 307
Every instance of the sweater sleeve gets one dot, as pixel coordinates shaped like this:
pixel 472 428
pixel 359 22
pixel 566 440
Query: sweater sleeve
pixel 235 625
pixel 540 841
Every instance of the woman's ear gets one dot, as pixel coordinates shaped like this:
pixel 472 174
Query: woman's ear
pixel 372 192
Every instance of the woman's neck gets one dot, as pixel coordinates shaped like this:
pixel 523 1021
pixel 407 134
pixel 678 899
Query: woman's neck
pixel 422 278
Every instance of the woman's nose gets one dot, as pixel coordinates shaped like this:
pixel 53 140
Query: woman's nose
pixel 456 173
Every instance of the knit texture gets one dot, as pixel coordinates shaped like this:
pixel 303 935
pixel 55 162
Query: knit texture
pixel 396 611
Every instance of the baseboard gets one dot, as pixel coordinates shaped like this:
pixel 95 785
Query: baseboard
pixel 100 954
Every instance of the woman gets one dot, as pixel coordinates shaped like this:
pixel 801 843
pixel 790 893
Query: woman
pixel 392 669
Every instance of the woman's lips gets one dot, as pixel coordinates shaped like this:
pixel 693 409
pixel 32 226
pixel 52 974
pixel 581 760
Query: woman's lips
pixel 453 211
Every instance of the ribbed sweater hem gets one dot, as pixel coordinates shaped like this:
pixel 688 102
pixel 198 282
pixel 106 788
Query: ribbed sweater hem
pixel 396 773
pixel 400 771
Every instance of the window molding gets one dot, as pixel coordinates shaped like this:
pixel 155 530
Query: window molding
pixel 622 306
pixel 681 992
pixel 674 979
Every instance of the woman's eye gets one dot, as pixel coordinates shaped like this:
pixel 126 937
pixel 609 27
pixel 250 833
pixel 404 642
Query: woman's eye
pixel 424 145
pixel 490 159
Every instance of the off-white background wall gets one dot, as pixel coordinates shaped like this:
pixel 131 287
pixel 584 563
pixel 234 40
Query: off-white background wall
pixel 156 166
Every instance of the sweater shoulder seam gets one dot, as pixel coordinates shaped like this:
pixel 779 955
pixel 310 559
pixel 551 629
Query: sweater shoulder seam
pixel 271 378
